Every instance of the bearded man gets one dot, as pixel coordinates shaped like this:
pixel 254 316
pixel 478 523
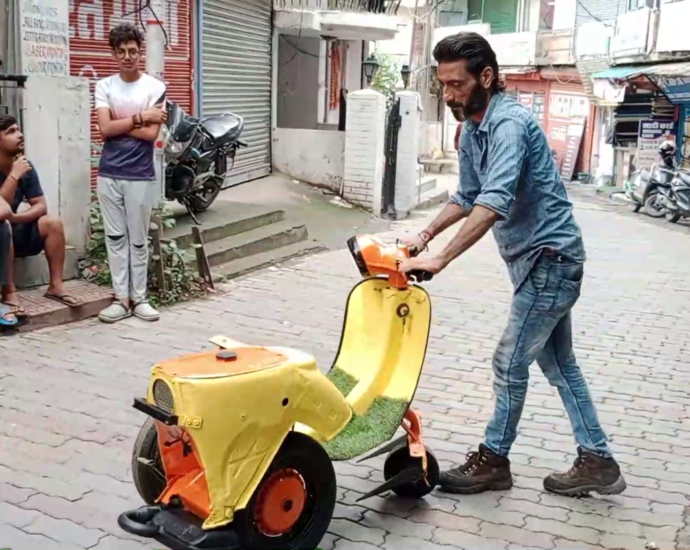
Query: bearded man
pixel 509 183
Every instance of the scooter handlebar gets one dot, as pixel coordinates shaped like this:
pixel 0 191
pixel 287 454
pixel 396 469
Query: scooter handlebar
pixel 420 276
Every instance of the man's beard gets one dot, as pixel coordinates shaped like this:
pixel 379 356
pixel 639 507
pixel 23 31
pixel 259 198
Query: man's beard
pixel 475 104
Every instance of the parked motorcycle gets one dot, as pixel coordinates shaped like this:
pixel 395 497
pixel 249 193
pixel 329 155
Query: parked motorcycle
pixel 677 204
pixel 196 156
pixel 649 189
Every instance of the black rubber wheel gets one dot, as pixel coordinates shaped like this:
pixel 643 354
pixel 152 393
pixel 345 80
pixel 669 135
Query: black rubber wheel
pixel 672 217
pixel 650 207
pixel 201 202
pixel 301 455
pixel 399 460
pixel 149 482
pixel 636 207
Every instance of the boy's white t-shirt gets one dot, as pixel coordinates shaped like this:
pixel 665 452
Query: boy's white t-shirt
pixel 125 157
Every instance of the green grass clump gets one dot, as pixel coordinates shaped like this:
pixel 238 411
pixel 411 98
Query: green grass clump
pixel 342 380
pixel 368 431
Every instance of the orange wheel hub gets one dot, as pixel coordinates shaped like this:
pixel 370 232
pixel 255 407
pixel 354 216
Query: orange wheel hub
pixel 280 502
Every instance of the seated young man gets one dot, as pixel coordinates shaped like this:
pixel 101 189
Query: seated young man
pixel 33 231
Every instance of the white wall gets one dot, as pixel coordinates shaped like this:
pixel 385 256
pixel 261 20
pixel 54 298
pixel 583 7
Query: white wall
pixel 364 158
pixel 313 156
pixel 298 82
pixel 58 143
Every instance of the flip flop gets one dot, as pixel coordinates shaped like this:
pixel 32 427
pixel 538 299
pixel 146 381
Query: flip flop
pixel 17 309
pixel 5 312
pixel 65 299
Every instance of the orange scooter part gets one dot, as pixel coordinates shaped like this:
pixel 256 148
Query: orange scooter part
pixel 186 477
pixel 374 258
pixel 280 502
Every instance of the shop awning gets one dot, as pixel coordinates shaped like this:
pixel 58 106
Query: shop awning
pixel 631 71
pixel 673 79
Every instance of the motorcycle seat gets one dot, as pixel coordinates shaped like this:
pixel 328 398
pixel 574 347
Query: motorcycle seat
pixel 223 128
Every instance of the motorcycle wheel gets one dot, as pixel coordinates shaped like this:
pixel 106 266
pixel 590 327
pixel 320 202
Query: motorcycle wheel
pixel 651 209
pixel 149 479
pixel 201 203
pixel 293 505
pixel 672 217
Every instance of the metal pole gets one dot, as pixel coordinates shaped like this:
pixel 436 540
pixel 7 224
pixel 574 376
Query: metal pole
pixel 155 66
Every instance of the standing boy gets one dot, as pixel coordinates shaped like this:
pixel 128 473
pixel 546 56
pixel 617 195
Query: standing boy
pixel 130 110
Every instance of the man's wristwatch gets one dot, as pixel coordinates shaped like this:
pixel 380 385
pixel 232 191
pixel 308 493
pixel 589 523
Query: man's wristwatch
pixel 137 121
pixel 426 237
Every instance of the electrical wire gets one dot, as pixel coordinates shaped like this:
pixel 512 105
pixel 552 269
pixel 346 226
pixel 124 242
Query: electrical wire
pixel 138 12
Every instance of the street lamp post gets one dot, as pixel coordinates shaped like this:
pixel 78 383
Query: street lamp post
pixel 370 66
pixel 405 73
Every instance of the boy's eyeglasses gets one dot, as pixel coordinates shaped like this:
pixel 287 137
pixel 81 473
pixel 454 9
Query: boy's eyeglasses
pixel 122 54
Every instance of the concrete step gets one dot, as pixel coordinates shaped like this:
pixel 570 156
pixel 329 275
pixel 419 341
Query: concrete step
pixel 225 220
pixel 433 198
pixel 427 183
pixel 256 241
pixel 440 166
pixel 33 271
pixel 263 260
pixel 42 312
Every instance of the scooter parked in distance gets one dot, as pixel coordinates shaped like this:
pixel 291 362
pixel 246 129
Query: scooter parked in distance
pixel 649 189
pixel 677 204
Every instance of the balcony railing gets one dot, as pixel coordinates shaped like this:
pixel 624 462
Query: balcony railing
pixel 385 7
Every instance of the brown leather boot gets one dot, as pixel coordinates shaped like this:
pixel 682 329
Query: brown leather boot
pixel 483 471
pixel 590 472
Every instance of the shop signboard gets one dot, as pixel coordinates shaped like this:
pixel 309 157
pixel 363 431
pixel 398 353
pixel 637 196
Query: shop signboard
pixel 676 89
pixel 651 135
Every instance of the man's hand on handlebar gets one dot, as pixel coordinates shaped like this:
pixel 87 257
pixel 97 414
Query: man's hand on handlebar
pixel 431 264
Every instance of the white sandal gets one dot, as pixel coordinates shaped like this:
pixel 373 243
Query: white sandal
pixel 115 312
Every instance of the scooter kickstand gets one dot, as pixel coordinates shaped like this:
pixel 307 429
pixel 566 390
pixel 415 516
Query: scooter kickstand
pixel 402 440
pixel 409 475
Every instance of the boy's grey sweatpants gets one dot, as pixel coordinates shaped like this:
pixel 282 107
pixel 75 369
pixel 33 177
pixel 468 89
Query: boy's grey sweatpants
pixel 126 207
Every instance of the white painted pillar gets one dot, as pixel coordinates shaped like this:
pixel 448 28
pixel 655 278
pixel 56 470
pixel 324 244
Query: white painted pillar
pixel 58 143
pixel 408 148
pixel 365 134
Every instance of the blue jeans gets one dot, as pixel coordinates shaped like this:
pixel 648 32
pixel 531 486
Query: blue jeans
pixel 540 328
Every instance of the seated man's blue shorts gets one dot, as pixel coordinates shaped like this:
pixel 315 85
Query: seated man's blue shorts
pixel 27 239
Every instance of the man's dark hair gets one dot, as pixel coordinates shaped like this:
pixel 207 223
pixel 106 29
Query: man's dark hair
pixel 6 122
pixel 474 49
pixel 124 33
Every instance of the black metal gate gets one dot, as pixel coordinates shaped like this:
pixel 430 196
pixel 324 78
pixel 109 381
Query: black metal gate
pixel 393 123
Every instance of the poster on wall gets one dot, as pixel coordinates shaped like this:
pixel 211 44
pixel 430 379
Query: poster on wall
pixel 44 37
pixel 651 135
pixel 573 139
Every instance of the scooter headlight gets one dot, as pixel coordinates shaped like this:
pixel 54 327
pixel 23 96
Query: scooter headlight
pixel 162 396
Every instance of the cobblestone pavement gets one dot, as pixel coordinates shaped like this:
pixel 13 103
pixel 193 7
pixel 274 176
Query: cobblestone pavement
pixel 68 427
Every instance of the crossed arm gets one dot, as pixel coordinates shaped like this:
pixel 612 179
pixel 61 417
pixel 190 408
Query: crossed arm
pixel 111 128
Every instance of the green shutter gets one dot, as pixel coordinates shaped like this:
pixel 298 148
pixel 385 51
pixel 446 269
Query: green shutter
pixel 474 10
pixel 500 14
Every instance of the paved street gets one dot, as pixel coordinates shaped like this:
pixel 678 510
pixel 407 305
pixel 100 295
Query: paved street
pixel 68 427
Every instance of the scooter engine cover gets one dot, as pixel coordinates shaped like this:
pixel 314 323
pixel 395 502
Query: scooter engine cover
pixel 181 180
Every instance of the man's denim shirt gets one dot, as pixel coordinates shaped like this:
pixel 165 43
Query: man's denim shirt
pixel 506 165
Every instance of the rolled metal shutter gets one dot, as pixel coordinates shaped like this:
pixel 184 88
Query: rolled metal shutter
pixel 236 68
pixel 599 10
pixel 502 15
pixel 90 57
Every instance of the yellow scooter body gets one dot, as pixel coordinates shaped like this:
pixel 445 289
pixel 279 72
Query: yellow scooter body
pixel 379 362
pixel 236 411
